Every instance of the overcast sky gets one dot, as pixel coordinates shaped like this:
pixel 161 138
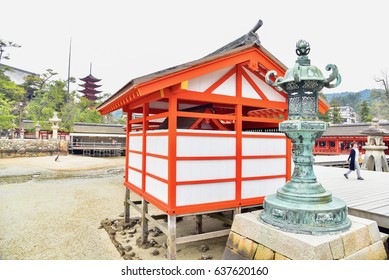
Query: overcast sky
pixel 126 39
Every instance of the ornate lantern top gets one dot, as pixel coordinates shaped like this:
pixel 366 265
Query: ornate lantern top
pixel 303 82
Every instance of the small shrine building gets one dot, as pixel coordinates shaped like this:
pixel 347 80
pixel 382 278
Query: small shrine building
pixel 206 137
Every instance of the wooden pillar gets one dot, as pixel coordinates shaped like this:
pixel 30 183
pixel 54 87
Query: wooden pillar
pixel 172 177
pixel 236 211
pixel 199 224
pixel 126 179
pixel 337 149
pixel 145 127
pixel 171 239
pixel 127 206
pixel 238 135
pixel 172 153
pixel 144 221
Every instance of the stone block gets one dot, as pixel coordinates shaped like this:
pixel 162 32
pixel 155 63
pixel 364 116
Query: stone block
pixel 233 240
pixel 292 245
pixel 385 241
pixel 229 254
pixel 337 248
pixel 372 227
pixel 263 253
pixel 280 257
pixel 247 248
pixel 355 243
pixel 355 239
pixel 375 251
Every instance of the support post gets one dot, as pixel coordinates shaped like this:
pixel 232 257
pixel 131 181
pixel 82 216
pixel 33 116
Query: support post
pixel 144 222
pixel 127 206
pixel 237 210
pixel 171 239
pixel 199 224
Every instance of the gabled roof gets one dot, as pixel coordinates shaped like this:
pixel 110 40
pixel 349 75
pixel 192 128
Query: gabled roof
pixel 242 45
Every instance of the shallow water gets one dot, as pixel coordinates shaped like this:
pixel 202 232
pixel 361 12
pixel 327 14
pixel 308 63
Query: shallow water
pixel 58 175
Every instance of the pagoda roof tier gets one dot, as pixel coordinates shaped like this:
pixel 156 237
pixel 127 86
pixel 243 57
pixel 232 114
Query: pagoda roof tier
pixel 90 91
pixel 90 78
pixel 91 98
pixel 88 85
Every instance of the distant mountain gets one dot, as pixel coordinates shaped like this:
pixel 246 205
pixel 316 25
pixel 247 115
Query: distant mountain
pixel 363 95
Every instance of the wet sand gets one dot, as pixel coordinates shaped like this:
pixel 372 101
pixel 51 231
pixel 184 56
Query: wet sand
pixel 52 210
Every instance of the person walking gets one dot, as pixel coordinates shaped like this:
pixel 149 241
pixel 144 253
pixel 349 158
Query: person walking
pixel 354 164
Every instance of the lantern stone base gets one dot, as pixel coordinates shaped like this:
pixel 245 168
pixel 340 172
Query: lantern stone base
pixel 252 239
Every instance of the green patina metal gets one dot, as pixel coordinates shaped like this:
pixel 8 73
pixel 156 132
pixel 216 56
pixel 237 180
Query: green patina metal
pixel 302 205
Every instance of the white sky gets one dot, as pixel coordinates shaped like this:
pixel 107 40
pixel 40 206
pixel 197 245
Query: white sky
pixel 126 39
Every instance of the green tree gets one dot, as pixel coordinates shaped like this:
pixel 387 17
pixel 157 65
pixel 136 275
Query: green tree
pixel 89 112
pixel 365 112
pixel 10 95
pixel 6 116
pixel 46 96
pixel 325 117
pixel 11 91
pixel 335 112
pixel 379 105
pixel 6 44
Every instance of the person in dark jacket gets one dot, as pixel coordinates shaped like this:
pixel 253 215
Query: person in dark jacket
pixel 354 164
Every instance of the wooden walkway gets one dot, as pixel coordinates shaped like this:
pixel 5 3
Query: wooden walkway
pixel 367 199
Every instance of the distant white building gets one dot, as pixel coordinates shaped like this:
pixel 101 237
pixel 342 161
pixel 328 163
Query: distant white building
pixel 348 114
pixel 15 74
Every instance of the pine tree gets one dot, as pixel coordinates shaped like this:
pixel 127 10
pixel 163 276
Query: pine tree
pixel 336 116
pixel 365 112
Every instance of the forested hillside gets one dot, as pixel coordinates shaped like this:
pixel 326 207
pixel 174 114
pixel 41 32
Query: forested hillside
pixel 376 101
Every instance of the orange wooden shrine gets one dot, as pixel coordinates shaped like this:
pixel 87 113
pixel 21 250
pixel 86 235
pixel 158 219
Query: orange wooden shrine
pixel 193 149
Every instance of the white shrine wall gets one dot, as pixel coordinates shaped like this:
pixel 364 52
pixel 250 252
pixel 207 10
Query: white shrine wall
pixel 206 165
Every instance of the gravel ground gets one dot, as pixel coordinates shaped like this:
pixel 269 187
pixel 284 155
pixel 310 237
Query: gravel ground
pixel 53 209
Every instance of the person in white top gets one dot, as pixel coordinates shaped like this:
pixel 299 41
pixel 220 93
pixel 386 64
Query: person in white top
pixel 354 164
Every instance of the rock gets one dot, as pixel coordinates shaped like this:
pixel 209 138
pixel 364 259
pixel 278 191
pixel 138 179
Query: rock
pixel 132 254
pixel 121 215
pixel 153 242
pixel 155 252
pixel 128 241
pixel 164 256
pixel 157 246
pixel 156 232
pixel 123 233
pixel 164 245
pixel 127 225
pixel 128 248
pixel 130 235
pixel 204 248
pixel 206 257
pixel 132 231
